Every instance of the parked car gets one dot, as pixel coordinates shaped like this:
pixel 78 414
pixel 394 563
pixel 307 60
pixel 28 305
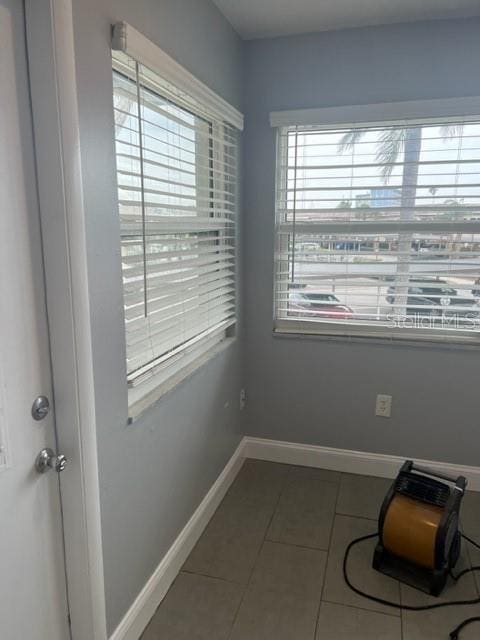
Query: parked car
pixel 436 298
pixel 476 288
pixel 315 304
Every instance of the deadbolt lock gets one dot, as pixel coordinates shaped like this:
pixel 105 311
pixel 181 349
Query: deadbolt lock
pixel 40 408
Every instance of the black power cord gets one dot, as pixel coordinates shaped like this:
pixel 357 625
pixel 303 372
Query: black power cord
pixel 456 631
pixel 453 634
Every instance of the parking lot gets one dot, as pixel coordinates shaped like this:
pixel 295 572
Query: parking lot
pixel 363 287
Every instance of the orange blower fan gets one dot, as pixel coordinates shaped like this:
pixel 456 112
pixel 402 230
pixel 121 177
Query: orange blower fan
pixel 419 541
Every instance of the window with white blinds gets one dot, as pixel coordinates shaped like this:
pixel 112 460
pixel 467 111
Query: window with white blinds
pixel 378 229
pixel 177 171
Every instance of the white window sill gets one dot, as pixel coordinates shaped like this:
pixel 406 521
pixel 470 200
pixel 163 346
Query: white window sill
pixel 148 393
pixel 362 335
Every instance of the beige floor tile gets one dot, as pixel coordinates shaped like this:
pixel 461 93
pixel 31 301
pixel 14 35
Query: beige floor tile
pixel 319 474
pixel 300 570
pixel 237 586
pixel 305 511
pixel 195 607
pixel 258 484
pixel 470 517
pixel 361 573
pixel 361 496
pixel 230 544
pixel 282 600
pixel 437 624
pixel 470 525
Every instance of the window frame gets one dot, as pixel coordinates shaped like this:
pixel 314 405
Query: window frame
pixel 159 375
pixel 408 113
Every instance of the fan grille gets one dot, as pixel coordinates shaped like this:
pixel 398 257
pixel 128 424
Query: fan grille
pixel 423 489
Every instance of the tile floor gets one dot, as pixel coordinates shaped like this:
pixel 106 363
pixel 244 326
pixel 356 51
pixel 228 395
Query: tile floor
pixel 269 566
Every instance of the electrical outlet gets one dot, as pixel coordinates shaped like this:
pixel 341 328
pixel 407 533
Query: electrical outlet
pixel 243 399
pixel 383 407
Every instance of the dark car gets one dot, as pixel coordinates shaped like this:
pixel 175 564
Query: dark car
pixel 436 298
pixel 317 304
pixel 476 288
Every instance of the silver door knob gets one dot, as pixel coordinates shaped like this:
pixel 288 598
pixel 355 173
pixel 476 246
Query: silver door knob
pixel 47 460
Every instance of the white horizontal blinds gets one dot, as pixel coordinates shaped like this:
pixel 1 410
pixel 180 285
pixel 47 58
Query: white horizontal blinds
pixel 379 225
pixel 176 173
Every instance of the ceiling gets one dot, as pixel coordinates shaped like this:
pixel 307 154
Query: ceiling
pixel 270 18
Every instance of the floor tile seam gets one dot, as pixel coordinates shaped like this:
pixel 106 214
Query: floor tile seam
pixel 328 556
pixel 354 515
pixel 318 479
pixel 296 544
pixel 399 590
pixel 396 616
pixel 363 475
pixel 354 606
pixel 274 503
pixel 282 487
pixel 210 576
pixel 402 610
pixel 247 584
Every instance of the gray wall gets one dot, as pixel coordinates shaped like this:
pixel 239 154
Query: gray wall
pixel 154 473
pixel 323 392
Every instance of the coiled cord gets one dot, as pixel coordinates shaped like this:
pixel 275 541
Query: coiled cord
pixel 453 634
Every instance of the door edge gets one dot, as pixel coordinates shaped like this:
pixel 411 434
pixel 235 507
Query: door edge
pixel 51 60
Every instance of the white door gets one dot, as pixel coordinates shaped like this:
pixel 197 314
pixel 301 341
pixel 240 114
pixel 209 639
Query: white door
pixel 33 601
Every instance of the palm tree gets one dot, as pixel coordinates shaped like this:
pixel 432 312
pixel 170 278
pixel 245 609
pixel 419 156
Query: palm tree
pixel 390 146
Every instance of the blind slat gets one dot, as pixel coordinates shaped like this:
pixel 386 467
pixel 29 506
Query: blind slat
pixel 175 283
pixel 214 290
pixel 177 204
pixel 178 317
pixel 170 167
pixel 379 227
pixel 186 266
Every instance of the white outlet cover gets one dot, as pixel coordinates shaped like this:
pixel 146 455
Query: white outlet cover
pixel 383 407
pixel 243 399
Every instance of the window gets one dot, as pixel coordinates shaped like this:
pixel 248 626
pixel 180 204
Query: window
pixel 177 183
pixel 378 229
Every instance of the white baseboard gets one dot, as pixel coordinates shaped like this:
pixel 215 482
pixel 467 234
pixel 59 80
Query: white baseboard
pixel 372 464
pixel 146 603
